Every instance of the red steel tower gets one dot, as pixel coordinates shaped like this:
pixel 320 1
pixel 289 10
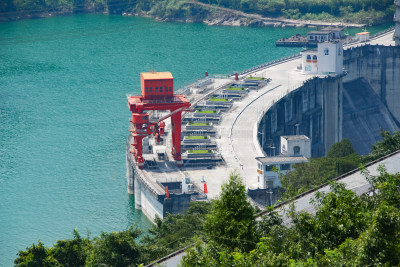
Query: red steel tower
pixel 157 94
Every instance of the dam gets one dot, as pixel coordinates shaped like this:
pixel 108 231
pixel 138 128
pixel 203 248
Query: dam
pixel 233 120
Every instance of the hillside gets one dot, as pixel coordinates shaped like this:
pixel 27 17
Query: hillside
pixel 215 12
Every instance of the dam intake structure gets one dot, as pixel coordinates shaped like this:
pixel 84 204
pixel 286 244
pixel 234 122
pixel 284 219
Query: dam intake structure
pixel 157 94
pixel 237 119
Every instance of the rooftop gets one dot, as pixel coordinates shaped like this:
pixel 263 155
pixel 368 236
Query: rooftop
pixel 362 33
pixel 319 32
pixel 295 137
pixel 156 75
pixel 281 159
pixel 309 52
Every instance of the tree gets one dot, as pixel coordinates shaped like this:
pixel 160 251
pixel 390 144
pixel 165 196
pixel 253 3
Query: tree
pixel 71 252
pixel 346 230
pixel 341 149
pixel 117 249
pixel 389 144
pixel 231 223
pixel 35 256
pixel 308 175
pixel 174 231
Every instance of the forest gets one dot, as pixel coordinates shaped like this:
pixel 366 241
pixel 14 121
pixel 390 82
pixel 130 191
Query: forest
pixel 346 230
pixel 354 11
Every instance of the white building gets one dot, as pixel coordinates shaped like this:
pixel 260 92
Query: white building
pixel 319 36
pixel 310 62
pixel 336 32
pixel 362 36
pixel 294 149
pixel 325 34
pixel 327 60
pixel 296 145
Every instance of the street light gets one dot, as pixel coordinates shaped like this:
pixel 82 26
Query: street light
pixel 270 192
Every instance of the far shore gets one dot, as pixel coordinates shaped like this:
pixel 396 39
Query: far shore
pixel 225 17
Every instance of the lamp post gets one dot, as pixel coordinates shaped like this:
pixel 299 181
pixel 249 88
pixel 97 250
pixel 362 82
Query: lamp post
pixel 270 192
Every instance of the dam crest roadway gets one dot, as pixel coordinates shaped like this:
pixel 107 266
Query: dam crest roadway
pixel 234 138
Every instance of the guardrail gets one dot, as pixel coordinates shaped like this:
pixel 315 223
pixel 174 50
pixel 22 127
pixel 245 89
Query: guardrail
pixel 379 34
pixel 268 64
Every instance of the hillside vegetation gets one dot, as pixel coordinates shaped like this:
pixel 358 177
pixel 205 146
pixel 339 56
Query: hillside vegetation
pixel 354 11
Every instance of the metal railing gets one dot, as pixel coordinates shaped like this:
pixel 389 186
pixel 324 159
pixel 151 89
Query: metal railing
pixel 270 63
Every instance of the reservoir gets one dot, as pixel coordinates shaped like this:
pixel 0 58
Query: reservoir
pixel 64 119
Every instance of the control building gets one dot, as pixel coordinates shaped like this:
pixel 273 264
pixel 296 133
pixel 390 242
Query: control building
pixel 155 84
pixel 326 60
pixel 294 149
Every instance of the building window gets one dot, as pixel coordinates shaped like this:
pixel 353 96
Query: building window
pixel 156 89
pixel 160 89
pixel 315 58
pixel 296 150
pixel 268 168
pixel 311 37
pixel 170 89
pixel 269 184
pixel 166 89
pixel 151 89
pixel 308 57
pixel 285 167
pixel 147 89
pixel 326 51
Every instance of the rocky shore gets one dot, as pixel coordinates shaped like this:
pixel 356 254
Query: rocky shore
pixel 207 14
pixel 228 17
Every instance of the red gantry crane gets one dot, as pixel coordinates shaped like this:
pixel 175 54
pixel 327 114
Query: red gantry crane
pixel 157 94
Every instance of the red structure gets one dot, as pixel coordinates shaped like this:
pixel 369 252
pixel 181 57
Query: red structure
pixel 157 94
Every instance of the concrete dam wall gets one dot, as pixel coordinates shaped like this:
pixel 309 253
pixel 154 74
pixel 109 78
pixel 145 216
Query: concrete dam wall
pixel 314 109
pixel 380 67
pixel 356 105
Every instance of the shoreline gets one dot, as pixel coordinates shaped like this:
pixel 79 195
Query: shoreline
pixel 228 17
pixel 218 17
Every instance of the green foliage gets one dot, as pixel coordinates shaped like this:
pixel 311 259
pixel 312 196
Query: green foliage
pixel 389 144
pixel 341 149
pixel 175 231
pixel 70 252
pixel 346 230
pixel 115 249
pixel 121 248
pixel 341 158
pixel 231 223
pixel 35 256
pixel 370 12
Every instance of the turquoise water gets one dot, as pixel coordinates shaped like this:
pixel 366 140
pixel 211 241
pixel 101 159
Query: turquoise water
pixel 64 118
